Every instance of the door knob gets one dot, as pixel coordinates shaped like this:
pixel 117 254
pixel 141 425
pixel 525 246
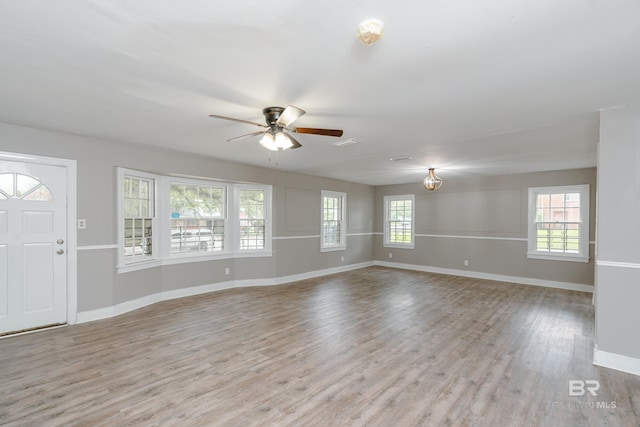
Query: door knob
pixel 60 241
pixel 60 251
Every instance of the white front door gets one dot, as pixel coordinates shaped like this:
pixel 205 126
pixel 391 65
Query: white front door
pixel 33 256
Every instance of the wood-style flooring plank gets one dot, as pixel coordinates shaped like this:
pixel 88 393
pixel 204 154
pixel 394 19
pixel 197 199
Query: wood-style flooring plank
pixel 370 347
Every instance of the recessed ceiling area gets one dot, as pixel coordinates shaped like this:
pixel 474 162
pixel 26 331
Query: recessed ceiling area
pixel 469 88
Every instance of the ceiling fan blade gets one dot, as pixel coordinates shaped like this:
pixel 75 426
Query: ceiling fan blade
pixel 260 132
pixel 314 131
pixel 296 144
pixel 215 116
pixel 289 115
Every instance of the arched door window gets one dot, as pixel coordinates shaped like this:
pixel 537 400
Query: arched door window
pixel 25 187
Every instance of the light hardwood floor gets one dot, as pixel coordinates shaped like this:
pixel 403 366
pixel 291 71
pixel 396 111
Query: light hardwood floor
pixel 374 347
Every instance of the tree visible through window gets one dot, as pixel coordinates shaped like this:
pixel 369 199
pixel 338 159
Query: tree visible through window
pixel 197 218
pixel 252 219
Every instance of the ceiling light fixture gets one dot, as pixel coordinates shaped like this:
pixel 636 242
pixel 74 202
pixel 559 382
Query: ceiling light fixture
pixel 432 181
pixel 370 31
pixel 275 140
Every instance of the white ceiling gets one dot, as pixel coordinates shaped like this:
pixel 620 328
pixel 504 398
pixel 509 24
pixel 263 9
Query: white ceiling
pixel 470 87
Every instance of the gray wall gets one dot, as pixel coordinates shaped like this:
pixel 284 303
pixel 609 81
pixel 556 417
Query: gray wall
pixel 618 249
pixel 296 213
pixel 491 207
pixel 481 207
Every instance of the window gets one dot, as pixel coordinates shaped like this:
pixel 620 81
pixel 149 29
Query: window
pixel 166 220
pixel 18 186
pixel 197 218
pixel 559 223
pixel 252 218
pixel 398 221
pixel 137 213
pixel 334 230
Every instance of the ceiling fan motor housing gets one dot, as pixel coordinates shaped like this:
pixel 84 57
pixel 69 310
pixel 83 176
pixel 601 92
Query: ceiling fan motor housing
pixel 272 114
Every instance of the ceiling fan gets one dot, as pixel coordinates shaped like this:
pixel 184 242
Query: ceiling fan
pixel 278 121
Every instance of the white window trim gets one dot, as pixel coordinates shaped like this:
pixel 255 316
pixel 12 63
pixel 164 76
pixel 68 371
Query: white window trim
pixel 235 220
pixel 161 243
pixel 122 261
pixel 385 233
pixel 343 222
pixel 165 215
pixel 583 251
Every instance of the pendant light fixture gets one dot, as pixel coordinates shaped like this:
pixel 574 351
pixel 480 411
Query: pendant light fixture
pixel 432 181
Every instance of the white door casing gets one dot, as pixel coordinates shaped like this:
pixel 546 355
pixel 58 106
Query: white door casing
pixel 33 245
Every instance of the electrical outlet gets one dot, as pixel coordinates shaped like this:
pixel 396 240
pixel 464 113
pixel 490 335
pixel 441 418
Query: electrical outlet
pixel 82 224
pixel 466 262
pixel 390 255
pixel 227 271
pixel 341 259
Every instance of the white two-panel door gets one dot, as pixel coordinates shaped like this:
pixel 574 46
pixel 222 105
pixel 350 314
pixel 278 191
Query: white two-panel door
pixel 33 258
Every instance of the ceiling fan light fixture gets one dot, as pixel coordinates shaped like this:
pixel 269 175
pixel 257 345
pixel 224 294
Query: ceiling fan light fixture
pixel 370 31
pixel 268 141
pixel 432 181
pixel 282 141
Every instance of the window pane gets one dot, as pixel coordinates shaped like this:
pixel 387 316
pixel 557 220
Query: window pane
pixel 332 232
pixel 201 235
pixel 6 183
pixel 572 238
pixel 399 221
pixel 558 218
pixel 25 183
pixel 40 194
pixel 135 188
pixel 196 218
pixel 138 217
pixel 131 208
pixel 137 237
pixel 572 214
pixel 542 238
pixel 252 234
pixel 144 189
pixel 557 200
pixel 252 214
pixel 572 199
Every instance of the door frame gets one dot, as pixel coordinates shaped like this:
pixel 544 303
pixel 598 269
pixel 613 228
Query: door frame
pixel 72 232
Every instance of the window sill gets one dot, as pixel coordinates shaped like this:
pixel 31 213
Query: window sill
pixel 399 245
pixel 558 257
pixel 136 266
pixel 333 248
pixel 185 259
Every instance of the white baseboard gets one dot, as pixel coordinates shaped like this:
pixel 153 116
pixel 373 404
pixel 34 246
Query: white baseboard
pixel 615 361
pixel 127 306
pixel 489 276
